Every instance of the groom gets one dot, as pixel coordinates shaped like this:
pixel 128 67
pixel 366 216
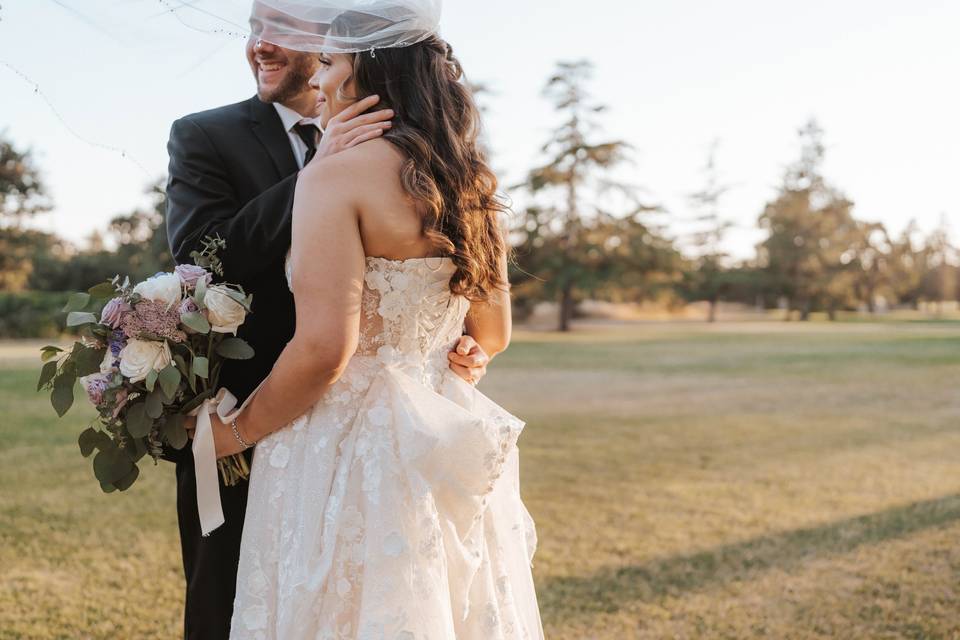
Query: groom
pixel 232 173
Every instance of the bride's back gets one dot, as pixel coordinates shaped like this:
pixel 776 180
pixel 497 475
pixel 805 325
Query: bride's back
pixel 390 225
pixel 406 301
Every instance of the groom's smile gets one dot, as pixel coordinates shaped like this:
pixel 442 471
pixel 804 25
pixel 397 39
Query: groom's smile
pixel 268 72
pixel 282 75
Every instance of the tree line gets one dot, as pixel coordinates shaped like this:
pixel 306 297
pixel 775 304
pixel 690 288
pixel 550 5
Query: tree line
pixel 579 234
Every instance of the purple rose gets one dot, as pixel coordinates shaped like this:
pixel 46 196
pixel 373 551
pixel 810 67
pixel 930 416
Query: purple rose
pixel 188 306
pixel 114 311
pixel 191 273
pixel 95 386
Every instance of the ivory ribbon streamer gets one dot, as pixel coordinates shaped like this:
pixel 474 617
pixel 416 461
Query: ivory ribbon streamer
pixel 205 456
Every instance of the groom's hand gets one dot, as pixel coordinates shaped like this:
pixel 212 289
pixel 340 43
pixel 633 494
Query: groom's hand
pixel 468 360
pixel 352 126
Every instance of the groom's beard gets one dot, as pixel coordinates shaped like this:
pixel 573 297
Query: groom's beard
pixel 295 81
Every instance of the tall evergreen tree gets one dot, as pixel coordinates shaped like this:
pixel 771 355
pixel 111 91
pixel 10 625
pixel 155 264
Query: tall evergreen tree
pixel 810 230
pixel 708 278
pixel 570 238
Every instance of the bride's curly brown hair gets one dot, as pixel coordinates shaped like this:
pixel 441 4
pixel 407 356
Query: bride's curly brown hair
pixel 437 125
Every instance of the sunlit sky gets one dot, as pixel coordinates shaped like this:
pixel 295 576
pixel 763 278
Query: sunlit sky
pixel 879 75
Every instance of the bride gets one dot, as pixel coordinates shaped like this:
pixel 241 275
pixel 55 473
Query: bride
pixel 384 496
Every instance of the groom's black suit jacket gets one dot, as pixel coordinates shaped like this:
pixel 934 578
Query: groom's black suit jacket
pixel 232 172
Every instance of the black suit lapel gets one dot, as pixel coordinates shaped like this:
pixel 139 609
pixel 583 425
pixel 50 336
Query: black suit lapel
pixel 267 126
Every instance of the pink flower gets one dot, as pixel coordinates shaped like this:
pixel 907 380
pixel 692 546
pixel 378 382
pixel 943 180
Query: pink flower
pixel 114 311
pixel 191 273
pixel 153 318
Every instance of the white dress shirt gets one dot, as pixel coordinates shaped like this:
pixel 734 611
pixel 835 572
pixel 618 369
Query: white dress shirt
pixel 289 117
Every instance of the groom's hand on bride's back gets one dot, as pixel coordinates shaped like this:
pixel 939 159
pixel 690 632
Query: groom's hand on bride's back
pixel 468 360
pixel 352 126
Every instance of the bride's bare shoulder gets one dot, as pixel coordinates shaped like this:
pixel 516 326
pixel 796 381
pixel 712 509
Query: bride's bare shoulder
pixel 361 165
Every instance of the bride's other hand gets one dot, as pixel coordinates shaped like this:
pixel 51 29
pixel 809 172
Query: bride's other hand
pixel 352 126
pixel 468 360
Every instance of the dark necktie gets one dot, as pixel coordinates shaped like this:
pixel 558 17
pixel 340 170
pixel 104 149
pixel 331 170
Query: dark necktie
pixel 307 133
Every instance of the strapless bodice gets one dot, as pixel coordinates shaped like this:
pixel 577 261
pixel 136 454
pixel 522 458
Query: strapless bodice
pixel 408 310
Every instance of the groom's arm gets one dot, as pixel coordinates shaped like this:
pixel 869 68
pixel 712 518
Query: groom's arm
pixel 201 202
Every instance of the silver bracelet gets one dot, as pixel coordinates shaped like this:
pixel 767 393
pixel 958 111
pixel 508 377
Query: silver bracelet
pixel 236 434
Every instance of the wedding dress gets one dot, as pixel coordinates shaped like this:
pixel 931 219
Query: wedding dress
pixel 391 509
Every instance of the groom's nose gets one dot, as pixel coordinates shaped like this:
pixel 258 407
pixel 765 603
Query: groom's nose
pixel 265 47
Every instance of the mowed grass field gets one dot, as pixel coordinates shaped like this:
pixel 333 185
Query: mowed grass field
pixel 764 480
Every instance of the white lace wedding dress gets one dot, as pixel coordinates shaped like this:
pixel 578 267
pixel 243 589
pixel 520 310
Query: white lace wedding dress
pixel 391 510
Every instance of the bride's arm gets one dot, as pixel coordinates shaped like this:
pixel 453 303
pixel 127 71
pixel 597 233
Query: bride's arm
pixel 490 323
pixel 328 267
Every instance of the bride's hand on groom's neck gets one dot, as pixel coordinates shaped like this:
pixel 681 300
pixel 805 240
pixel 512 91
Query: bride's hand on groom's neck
pixel 353 126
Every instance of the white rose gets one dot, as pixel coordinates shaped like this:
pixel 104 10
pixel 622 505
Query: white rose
pixel 165 289
pixel 140 357
pixel 225 313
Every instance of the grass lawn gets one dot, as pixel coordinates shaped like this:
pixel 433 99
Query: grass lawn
pixel 765 480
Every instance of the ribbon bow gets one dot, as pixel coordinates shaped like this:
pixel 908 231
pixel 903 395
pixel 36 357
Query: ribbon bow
pixel 205 457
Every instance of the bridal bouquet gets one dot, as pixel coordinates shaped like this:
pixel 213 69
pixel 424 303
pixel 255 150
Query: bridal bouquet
pixel 152 357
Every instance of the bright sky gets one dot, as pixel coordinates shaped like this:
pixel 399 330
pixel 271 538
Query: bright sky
pixel 878 74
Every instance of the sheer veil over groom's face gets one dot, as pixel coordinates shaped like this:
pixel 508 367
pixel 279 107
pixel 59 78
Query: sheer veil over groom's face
pixel 282 75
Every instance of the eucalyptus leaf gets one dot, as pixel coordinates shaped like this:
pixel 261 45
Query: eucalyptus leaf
pixel 154 404
pixel 181 364
pixel 88 441
pixel 67 371
pixel 169 381
pixel 235 349
pixel 151 380
pixel 66 376
pixel 78 318
pixel 76 302
pixel 200 293
pixel 138 422
pixel 62 399
pixel 201 367
pixel 88 360
pixel 127 481
pixel 111 465
pixel 197 401
pixel 136 448
pixel 47 373
pixel 102 290
pixel 49 352
pixel 195 321
pixel 174 431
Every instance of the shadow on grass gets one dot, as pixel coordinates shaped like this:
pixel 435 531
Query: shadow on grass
pixel 610 589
